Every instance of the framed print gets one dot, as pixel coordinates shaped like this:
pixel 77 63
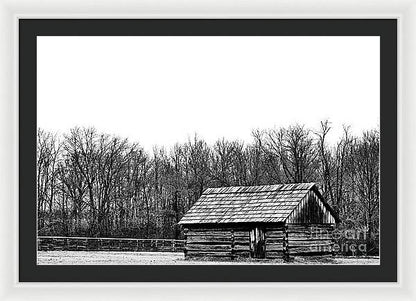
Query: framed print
pixel 198 150
pixel 77 74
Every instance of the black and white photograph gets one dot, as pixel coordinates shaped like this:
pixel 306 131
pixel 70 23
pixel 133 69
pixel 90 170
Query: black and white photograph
pixel 208 150
pixel 212 150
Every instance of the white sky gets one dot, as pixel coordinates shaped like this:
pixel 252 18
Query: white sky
pixel 161 90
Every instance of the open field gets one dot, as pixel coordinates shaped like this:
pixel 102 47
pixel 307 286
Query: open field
pixel 167 258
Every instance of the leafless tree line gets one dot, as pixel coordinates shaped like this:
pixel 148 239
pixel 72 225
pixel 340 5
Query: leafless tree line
pixel 95 184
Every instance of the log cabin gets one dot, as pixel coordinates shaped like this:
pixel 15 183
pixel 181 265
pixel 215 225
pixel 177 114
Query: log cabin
pixel 269 221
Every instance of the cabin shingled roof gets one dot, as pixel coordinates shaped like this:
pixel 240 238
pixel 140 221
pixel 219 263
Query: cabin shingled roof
pixel 245 204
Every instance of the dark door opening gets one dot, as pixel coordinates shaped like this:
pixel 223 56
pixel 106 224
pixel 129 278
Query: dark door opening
pixel 257 243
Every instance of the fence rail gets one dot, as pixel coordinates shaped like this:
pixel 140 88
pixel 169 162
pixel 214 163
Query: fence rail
pixel 62 243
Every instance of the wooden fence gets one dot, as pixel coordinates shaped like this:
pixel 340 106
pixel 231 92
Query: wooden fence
pixel 60 243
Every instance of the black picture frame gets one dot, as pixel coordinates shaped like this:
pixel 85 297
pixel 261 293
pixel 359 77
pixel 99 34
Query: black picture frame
pixel 386 29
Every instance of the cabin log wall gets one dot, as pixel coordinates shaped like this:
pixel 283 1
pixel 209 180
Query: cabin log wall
pixel 275 242
pixel 311 239
pixel 241 247
pixel 206 242
pixel 225 242
pixel 231 243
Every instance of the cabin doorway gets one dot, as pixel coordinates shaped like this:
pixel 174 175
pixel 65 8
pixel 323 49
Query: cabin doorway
pixel 257 243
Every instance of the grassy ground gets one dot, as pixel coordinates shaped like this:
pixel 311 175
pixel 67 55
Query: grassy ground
pixel 159 258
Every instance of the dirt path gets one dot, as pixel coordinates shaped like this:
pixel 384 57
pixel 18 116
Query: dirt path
pixel 159 258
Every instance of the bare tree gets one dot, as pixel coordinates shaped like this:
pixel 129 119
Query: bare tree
pixel 325 156
pixel 222 157
pixel 367 179
pixel 48 153
pixel 342 151
pixel 197 154
pixel 296 152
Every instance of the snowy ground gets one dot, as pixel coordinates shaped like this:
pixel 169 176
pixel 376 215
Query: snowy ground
pixel 165 258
